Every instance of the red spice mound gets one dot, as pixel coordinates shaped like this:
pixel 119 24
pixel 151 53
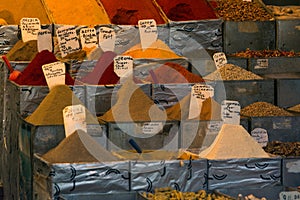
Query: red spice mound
pixel 183 10
pixel 173 73
pixel 33 73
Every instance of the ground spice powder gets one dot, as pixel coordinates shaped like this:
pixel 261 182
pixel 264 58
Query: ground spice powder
pixel 133 105
pixel 76 12
pixel 157 50
pixel 262 109
pixel 76 148
pixel 13 11
pixel 183 10
pixel 173 73
pixel 50 110
pixel 129 12
pixel 211 110
pixel 231 72
pixel 295 108
pixel 23 51
pixel 33 73
pixel 233 141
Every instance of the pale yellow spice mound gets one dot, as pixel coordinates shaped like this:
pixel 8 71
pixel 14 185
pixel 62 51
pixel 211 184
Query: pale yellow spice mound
pixel 233 141
pixel 231 72
pixel 261 109
pixel 157 50
pixel 295 108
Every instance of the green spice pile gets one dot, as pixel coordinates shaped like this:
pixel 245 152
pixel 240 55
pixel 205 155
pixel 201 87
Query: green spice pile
pixel 283 148
pixel 264 53
pixel 237 10
pixel 263 109
pixel 231 72
pixel 23 51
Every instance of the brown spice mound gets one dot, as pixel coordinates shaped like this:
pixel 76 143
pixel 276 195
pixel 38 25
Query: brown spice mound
pixel 295 108
pixel 173 73
pixel 133 105
pixel 49 112
pixel 233 141
pixel 23 51
pixel 283 148
pixel 231 72
pixel 262 109
pixel 78 147
pixel 210 110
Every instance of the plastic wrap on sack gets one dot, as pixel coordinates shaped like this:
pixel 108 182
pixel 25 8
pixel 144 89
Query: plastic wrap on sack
pixel 290 172
pixel 9 35
pixel 107 196
pixel 52 180
pixel 186 176
pixel 244 173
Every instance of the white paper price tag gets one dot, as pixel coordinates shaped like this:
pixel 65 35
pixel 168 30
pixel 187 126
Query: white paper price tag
pixel 199 93
pixel 68 40
pixel 88 38
pixel 44 40
pixel 74 119
pixel 107 39
pixel 230 112
pixel 123 66
pixel 261 64
pixel 148 32
pixel 289 195
pixel 260 135
pixel 220 59
pixel 247 0
pixel 152 127
pixel 29 28
pixel 55 74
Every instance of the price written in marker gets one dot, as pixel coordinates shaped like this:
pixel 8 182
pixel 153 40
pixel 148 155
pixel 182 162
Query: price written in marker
pixel 30 28
pixel 44 39
pixel 220 59
pixel 74 119
pixel 55 74
pixel 289 195
pixel 199 93
pixel 152 127
pixel 261 64
pixel 123 66
pixel 230 112
pixel 148 32
pixel 88 38
pixel 261 136
pixel 107 39
pixel 68 40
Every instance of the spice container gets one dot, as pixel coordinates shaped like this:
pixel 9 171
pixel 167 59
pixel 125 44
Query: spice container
pixel 108 196
pixel 290 172
pixel 8 39
pixel 84 179
pixel 251 25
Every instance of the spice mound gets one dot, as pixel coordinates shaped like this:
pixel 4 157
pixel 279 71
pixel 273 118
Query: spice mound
pixel 50 110
pixel 172 73
pixel 263 109
pixel 76 148
pixel 210 110
pixel 295 108
pixel 231 72
pixel 157 50
pixel 23 51
pixel 233 141
pixel 264 53
pixel 33 74
pixel 285 12
pixel 285 149
pixel 237 10
pixel 133 105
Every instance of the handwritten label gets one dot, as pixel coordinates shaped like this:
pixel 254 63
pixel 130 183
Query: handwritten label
pixel 261 136
pixel 199 93
pixel 215 126
pixel 247 0
pixel 107 39
pixel 148 32
pixel 123 65
pixel 44 40
pixel 68 40
pixel 152 127
pixel 29 28
pixel 55 74
pixel 220 59
pixel 261 64
pixel 88 37
pixel 230 112
pixel 74 119
pixel 289 195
